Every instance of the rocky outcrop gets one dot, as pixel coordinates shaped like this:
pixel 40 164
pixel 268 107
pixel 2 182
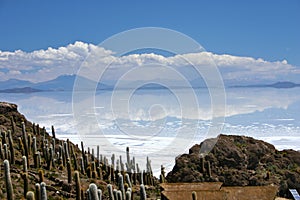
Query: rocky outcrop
pixel 8 112
pixel 239 161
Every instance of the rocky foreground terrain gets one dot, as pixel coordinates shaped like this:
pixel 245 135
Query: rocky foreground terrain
pixel 66 171
pixel 33 162
pixel 239 161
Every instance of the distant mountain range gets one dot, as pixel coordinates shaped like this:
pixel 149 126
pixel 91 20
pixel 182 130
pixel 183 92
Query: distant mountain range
pixel 279 85
pixel 66 83
pixel 61 83
pixel 21 90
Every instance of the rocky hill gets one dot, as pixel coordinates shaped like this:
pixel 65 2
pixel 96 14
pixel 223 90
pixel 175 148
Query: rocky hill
pixel 239 161
pixel 32 162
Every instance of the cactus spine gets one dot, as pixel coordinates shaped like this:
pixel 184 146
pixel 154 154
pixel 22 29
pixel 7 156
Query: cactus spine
pixel 9 187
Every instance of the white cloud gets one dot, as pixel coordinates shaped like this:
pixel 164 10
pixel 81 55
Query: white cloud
pixel 14 72
pixel 42 65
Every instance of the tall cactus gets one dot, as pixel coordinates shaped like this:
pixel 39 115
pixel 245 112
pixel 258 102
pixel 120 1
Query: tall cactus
pixel 4 139
pixel 13 125
pixel 128 195
pixel 38 159
pixel 202 167
pixel 162 174
pixel 34 147
pixel 38 191
pixel 25 175
pixel 110 192
pixel 33 129
pixel 98 156
pixel 128 180
pixel 29 137
pixel 74 157
pixel 41 175
pixel 82 166
pixel 99 192
pixel 93 155
pixel 69 168
pixel 121 185
pixel 208 169
pixel 113 159
pixel 26 183
pixel 38 129
pixel 143 195
pixel 115 191
pixel 83 155
pixel 93 192
pixel 9 187
pixel 21 146
pixel 93 170
pixel 11 147
pixel 30 195
pixel 1 151
pixel 24 163
pixel 119 195
pixel 43 191
pixel 66 150
pixel 128 164
pixel 53 131
pixel 6 154
pixel 78 185
pixel 25 142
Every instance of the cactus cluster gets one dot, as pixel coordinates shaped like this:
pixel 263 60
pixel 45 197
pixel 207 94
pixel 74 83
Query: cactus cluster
pixel 40 155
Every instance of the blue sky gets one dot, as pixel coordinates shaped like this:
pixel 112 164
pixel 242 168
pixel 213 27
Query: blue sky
pixel 268 29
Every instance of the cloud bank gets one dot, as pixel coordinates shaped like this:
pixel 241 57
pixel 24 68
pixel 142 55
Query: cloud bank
pixel 43 65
